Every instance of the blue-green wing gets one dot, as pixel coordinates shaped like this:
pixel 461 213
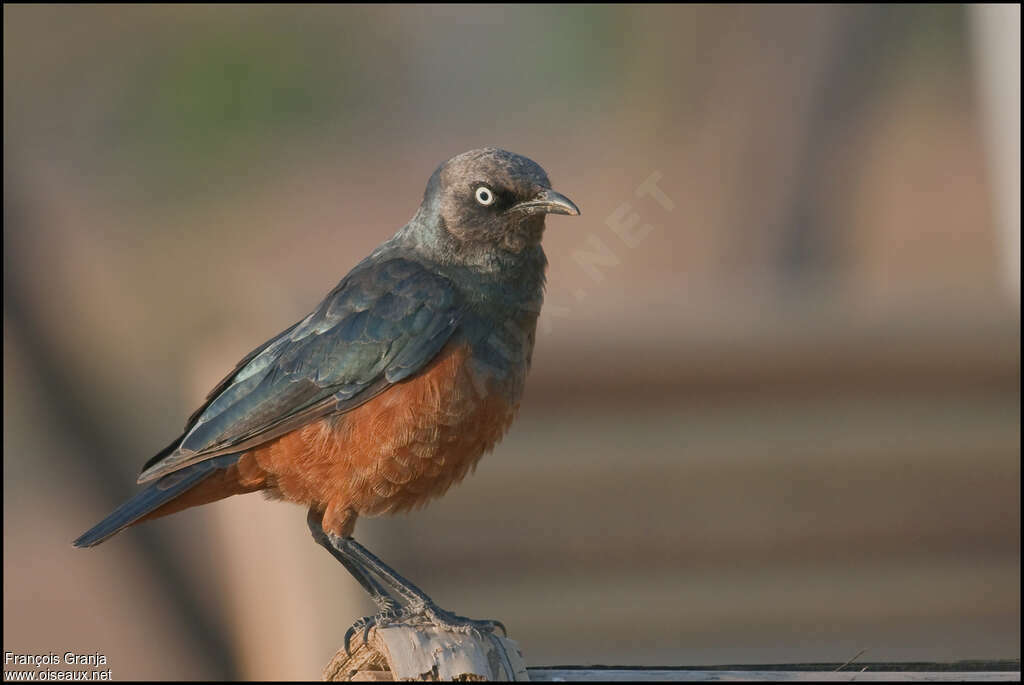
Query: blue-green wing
pixel 383 322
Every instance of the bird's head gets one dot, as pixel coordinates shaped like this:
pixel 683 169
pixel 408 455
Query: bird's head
pixel 487 201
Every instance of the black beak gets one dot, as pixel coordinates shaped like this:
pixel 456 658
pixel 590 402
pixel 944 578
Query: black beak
pixel 548 201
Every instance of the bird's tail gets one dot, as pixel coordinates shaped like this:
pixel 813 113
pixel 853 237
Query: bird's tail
pixel 161 497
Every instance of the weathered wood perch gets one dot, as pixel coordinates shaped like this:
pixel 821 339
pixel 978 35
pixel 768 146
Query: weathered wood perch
pixel 417 652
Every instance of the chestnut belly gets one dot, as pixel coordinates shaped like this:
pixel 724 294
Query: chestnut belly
pixel 409 444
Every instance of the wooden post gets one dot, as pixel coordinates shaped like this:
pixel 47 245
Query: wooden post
pixel 417 652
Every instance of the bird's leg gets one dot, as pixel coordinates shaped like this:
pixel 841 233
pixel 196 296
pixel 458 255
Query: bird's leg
pixel 388 608
pixel 418 602
pixel 384 601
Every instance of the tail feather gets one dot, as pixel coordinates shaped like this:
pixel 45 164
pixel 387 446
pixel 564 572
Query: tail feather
pixel 152 498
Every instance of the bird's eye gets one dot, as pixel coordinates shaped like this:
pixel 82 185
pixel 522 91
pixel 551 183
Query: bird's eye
pixel 484 196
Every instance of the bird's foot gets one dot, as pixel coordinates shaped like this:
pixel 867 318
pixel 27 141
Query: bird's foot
pixel 382 619
pixel 446 620
pixel 422 614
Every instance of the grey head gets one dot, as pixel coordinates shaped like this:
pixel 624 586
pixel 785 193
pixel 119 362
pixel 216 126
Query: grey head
pixel 485 208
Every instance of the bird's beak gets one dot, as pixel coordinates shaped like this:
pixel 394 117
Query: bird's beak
pixel 548 201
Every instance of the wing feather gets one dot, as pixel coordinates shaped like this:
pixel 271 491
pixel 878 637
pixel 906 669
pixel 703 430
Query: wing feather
pixel 381 324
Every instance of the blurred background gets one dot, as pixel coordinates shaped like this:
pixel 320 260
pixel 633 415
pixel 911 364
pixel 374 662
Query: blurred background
pixel 774 409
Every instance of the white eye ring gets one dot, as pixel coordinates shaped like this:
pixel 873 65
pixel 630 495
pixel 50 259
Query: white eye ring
pixel 484 196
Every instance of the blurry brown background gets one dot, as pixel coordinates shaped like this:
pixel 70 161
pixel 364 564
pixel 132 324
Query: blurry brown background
pixel 782 424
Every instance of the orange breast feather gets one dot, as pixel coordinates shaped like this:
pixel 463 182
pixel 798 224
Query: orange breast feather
pixel 410 443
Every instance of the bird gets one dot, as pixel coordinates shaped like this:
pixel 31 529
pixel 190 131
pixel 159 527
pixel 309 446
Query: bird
pixel 390 391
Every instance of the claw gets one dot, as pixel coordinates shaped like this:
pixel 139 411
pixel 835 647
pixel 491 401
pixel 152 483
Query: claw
pixel 348 638
pixel 366 631
pixel 388 614
pixel 488 624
